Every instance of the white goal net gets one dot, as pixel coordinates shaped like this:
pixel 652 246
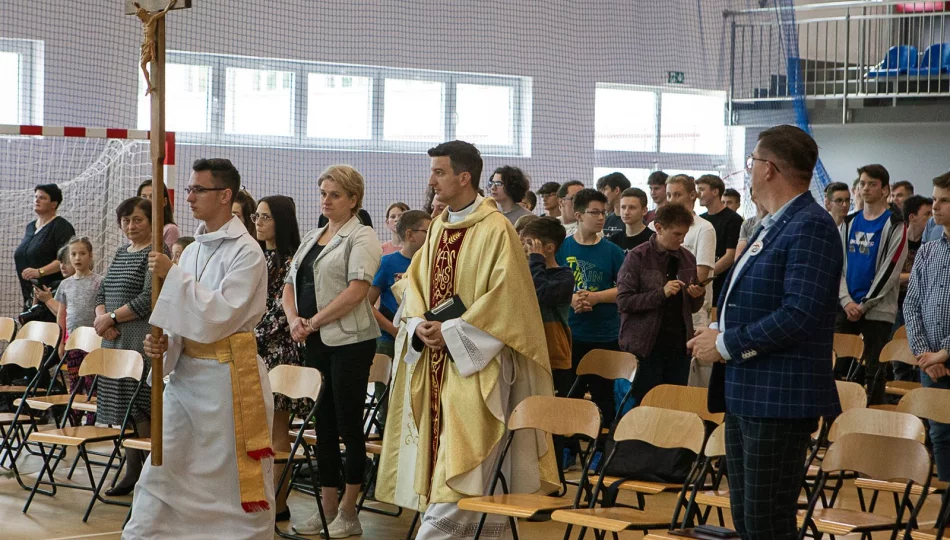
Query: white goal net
pixel 95 175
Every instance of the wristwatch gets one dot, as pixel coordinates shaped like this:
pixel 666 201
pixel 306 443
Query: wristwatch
pixel 112 316
pixel 41 272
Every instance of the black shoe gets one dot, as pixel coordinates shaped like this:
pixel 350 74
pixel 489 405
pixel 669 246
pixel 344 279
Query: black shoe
pixel 120 491
pixel 283 516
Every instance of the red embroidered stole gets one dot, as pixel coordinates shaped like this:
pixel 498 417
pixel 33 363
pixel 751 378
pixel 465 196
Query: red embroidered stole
pixel 441 288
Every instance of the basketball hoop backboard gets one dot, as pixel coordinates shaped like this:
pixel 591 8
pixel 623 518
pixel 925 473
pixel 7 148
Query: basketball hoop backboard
pixel 154 5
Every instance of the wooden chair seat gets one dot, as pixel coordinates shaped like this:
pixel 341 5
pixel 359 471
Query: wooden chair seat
pixel 74 436
pixel 841 521
pixel 900 388
pixel 374 448
pixel 884 407
pixel 615 519
pixel 15 389
pixel 897 487
pixel 43 403
pixel 138 444
pixel 717 499
pixel 642 486
pixel 6 418
pixel 519 505
pixel 281 457
pixel 924 534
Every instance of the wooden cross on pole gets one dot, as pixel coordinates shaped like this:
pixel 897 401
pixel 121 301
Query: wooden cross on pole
pixel 152 14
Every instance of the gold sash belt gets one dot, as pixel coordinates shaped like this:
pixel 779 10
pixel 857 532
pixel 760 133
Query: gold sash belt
pixel 251 435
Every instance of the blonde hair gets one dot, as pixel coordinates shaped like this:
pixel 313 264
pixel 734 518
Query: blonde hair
pixel 684 180
pixel 347 178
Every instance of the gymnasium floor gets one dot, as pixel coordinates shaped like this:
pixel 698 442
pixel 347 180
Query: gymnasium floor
pixel 60 517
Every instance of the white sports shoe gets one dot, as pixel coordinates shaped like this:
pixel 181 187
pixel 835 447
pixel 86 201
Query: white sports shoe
pixel 345 526
pixel 313 525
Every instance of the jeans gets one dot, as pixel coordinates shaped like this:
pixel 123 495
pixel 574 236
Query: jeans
pixel 939 433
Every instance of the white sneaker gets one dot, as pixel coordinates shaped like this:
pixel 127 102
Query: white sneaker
pixel 345 526
pixel 313 525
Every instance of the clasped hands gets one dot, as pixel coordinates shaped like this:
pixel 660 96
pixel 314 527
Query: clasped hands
pixel 934 363
pixel 430 332
pixel 300 328
pixel 105 327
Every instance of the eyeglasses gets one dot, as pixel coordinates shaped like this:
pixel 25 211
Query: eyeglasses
pixel 198 190
pixel 842 201
pixel 571 198
pixel 546 195
pixel 596 213
pixel 261 217
pixel 750 161
pixel 496 184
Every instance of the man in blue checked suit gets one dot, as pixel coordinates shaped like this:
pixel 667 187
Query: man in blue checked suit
pixel 776 327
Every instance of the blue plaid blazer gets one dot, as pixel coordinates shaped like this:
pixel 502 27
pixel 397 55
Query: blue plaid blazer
pixel 780 317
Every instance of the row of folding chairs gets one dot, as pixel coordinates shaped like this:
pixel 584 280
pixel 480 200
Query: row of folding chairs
pixel 896 350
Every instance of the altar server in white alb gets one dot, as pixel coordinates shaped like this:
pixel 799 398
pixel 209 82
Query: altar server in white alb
pixel 217 477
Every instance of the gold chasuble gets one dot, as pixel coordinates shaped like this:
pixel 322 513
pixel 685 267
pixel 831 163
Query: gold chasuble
pixel 443 429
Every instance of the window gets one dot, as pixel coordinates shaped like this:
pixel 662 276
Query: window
pixel 187 99
pixel 484 114
pixel 339 106
pixel 414 111
pixel 624 120
pixel 259 102
pixel 218 99
pixel 693 123
pixel 21 81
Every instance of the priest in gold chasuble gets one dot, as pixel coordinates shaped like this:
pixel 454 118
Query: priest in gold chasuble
pixel 456 382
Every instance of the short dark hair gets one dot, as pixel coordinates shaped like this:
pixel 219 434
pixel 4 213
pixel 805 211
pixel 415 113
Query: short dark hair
pixel 55 194
pixel 184 241
pixel 836 186
pixel 584 197
pixel 637 193
pixel 793 146
pixel 562 191
pixel 732 193
pixel 463 156
pixel 548 187
pixel 913 203
pixel 531 199
pixel 410 219
pixel 546 229
pixel 876 171
pixel 657 178
pixel 523 221
pixel 942 181
pixel 713 181
pixel 223 171
pixel 63 254
pixel 613 180
pixel 669 215
pixel 904 184
pixel 513 181
pixel 128 206
pixel 283 211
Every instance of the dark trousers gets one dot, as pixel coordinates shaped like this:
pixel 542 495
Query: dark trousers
pixel 665 365
pixel 765 458
pixel 875 334
pixel 345 371
pixel 601 390
pixel 939 432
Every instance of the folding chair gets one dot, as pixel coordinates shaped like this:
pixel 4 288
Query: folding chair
pixel 849 346
pixel 379 375
pixel 297 382
pixel 552 415
pixel 877 457
pixel 608 365
pixel 27 354
pixel 663 428
pixel 111 363
pixel 678 398
pixel 898 350
pixel 7 329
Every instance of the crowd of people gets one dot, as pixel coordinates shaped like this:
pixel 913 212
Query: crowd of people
pixel 608 272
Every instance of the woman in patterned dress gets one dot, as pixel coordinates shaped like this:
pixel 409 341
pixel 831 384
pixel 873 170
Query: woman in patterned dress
pixel 123 306
pixel 276 221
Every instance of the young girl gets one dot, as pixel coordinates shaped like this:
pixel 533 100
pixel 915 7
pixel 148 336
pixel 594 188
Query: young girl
pixel 77 304
pixel 179 247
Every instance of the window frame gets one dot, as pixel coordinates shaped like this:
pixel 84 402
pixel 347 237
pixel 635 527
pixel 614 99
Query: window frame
pixel 31 53
pixel 655 160
pixel 521 110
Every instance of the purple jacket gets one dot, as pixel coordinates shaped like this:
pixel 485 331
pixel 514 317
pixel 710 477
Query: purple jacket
pixel 640 296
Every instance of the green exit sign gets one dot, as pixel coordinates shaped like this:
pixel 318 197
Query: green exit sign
pixel 675 77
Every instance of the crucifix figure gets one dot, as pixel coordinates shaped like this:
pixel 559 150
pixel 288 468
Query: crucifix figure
pixel 149 22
